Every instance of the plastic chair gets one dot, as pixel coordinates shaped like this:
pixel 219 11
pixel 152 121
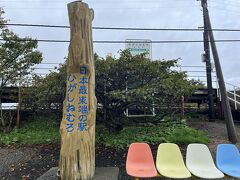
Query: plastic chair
pixel 228 159
pixel 200 163
pixel 170 162
pixel 140 163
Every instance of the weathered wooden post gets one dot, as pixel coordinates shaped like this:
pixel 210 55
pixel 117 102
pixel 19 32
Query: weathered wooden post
pixel 77 156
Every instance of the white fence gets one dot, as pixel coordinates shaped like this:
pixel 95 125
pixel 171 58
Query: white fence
pixel 233 95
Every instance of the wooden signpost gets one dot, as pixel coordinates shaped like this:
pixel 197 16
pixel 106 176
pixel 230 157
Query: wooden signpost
pixel 77 156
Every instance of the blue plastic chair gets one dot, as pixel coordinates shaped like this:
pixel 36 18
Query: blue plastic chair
pixel 228 159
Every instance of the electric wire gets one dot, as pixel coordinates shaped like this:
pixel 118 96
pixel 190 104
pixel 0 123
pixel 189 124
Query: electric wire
pixel 120 28
pixel 122 42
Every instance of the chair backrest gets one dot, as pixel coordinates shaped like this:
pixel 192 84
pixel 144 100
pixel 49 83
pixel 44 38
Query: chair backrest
pixel 199 155
pixel 169 154
pixel 139 154
pixel 227 154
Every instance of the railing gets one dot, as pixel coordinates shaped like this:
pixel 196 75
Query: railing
pixel 199 73
pixel 233 95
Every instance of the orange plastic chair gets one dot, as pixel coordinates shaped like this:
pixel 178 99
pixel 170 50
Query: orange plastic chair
pixel 140 163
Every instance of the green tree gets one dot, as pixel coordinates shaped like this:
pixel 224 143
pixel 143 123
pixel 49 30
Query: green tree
pixel 47 94
pixel 17 56
pixel 142 77
pixel 2 20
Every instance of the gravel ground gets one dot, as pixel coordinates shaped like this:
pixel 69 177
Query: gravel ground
pixel 33 161
pixel 29 161
pixel 14 158
pixel 216 132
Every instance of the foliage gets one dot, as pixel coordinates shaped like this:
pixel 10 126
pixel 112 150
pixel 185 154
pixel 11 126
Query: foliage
pixel 142 76
pixel 2 20
pixel 187 135
pixel 47 94
pixel 40 131
pixel 17 58
pixel 168 131
pixel 45 131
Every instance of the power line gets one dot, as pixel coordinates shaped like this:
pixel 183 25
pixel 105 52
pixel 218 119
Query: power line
pixel 199 76
pixel 44 68
pixel 38 40
pixel 224 9
pixel 37 68
pixel 132 1
pixel 182 66
pixel 119 28
pixel 123 42
pixel 191 66
pixel 36 25
pixel 50 63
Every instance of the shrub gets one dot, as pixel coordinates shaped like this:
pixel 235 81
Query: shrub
pixel 169 131
pixel 45 131
pixel 41 131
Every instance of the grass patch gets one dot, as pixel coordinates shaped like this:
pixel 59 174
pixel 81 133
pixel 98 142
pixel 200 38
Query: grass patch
pixel 170 131
pixel 43 131
pixel 40 131
pixel 187 135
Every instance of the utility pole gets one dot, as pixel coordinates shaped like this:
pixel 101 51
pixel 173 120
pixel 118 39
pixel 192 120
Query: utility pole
pixel 232 136
pixel 208 66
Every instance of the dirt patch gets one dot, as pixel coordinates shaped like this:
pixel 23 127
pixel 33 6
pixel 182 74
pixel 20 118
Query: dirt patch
pixel 216 131
pixel 29 161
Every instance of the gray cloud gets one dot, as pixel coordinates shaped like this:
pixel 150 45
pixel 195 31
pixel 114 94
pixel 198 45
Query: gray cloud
pixel 130 13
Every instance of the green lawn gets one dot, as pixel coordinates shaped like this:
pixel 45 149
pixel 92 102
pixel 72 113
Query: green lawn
pixel 165 132
pixel 43 131
pixel 40 131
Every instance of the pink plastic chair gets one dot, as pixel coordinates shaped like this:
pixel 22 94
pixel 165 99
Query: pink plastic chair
pixel 140 163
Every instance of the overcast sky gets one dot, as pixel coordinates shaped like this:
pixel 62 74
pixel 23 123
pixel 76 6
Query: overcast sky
pixel 135 13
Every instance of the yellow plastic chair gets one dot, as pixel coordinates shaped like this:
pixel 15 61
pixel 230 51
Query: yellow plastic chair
pixel 170 162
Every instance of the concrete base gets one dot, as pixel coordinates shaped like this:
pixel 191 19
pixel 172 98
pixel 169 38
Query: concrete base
pixel 101 173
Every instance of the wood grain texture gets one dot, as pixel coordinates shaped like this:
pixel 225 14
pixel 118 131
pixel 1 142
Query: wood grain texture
pixel 77 156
